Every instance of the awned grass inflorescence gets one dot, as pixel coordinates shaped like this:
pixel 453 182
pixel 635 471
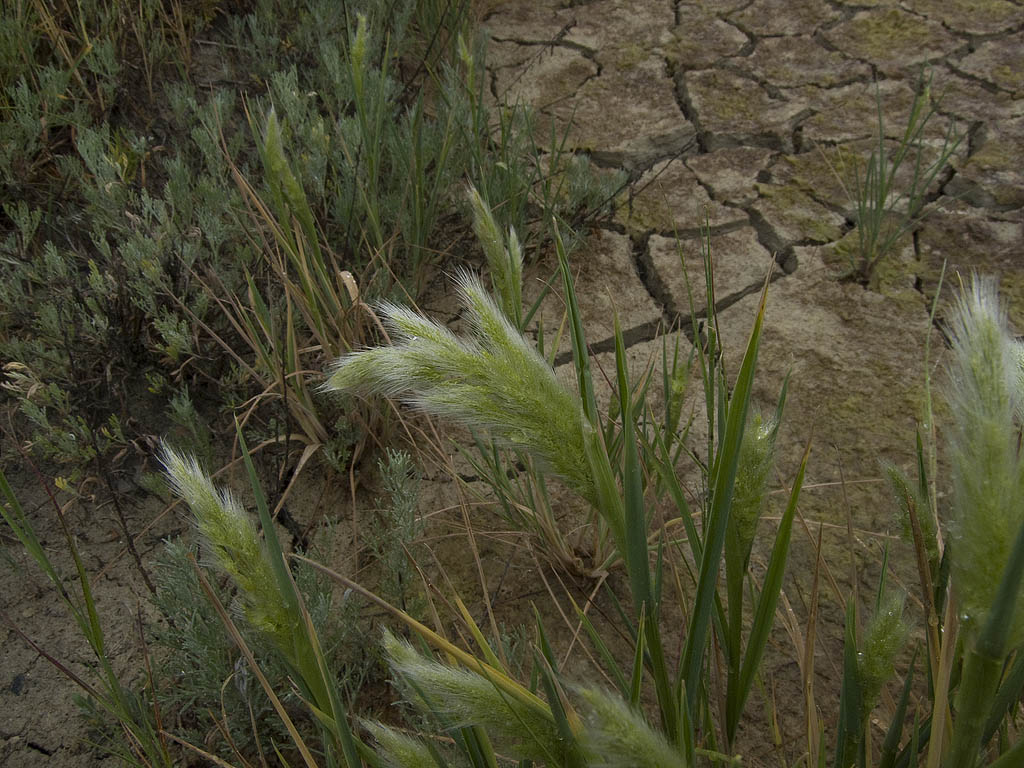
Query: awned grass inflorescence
pixel 988 473
pixel 616 735
pixel 504 261
pixel 986 525
pixel 491 380
pixel 463 698
pixel 233 545
pixel 271 601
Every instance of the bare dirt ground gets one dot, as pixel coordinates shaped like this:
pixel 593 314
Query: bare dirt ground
pixel 733 113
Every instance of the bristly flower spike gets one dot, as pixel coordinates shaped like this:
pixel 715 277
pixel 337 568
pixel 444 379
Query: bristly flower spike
pixel 985 396
pixel 505 263
pixel 233 544
pixel 490 381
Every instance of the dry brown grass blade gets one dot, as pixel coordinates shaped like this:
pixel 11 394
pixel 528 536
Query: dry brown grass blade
pixel 57 664
pixel 58 38
pixel 568 622
pixel 927 588
pixel 222 725
pixel 307 453
pixel 829 576
pixel 804 641
pixel 157 717
pixel 471 537
pixel 214 760
pixel 585 610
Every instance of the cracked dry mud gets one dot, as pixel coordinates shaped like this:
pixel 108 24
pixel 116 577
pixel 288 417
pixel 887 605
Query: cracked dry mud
pixel 734 113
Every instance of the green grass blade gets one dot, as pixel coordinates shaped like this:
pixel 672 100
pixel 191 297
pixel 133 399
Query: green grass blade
pixel 1010 691
pixel 579 339
pixel 723 479
pixel 14 515
pixel 983 664
pixel 848 735
pixel 686 737
pixel 306 651
pixel 764 613
pixel 635 555
pixel 546 664
pixel 489 655
pixel 535 306
pixel 891 745
pixel 1012 758
pixel 606 490
pixel 637 680
pixel 284 580
pixel 247 653
pixel 996 632
pixel 665 466
pixel 338 723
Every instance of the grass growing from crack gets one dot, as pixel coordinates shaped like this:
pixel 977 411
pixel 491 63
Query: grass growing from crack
pixel 885 207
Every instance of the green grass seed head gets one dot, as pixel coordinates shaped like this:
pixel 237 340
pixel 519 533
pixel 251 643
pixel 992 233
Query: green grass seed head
pixel 617 736
pixel 757 453
pixel 908 499
pixel 359 45
pixel 465 698
pixel 490 381
pixel 505 264
pixel 1018 356
pixel 884 637
pixel 232 543
pixel 984 392
pixel 397 749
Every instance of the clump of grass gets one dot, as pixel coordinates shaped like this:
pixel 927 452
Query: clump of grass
pixel 885 212
pixel 495 381
pixel 271 602
pixel 972 589
pixel 232 544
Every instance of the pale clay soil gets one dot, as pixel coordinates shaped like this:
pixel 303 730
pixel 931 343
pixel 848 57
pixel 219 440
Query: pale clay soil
pixel 731 112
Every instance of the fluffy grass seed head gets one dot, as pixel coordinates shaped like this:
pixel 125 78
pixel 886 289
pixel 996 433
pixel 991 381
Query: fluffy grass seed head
pixel 617 736
pixel 398 750
pixel 279 173
pixel 506 264
pixel 907 497
pixel 985 396
pixel 884 637
pixel 757 452
pixel 490 381
pixel 232 543
pixel 358 47
pixel 463 697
